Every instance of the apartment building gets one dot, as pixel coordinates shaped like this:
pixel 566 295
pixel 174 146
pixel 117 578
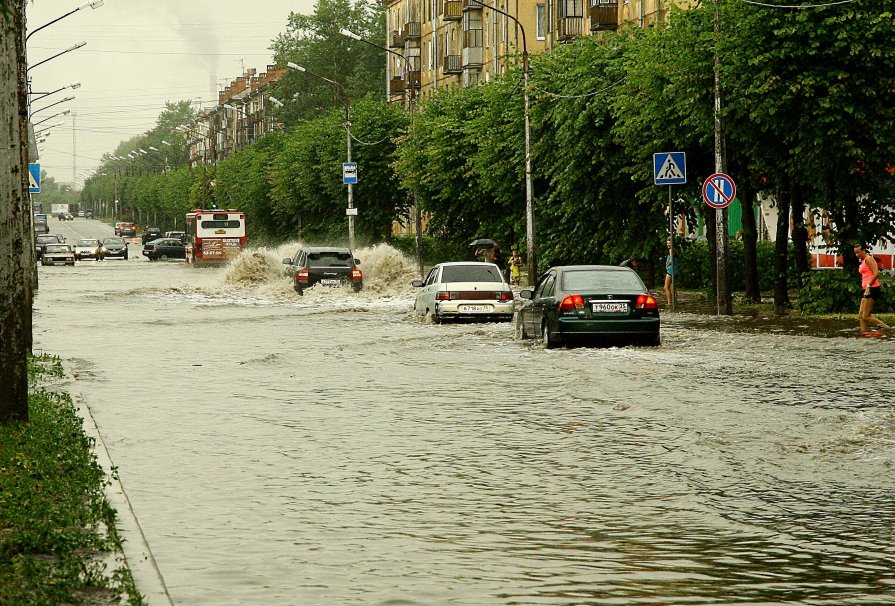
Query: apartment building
pixel 464 42
pixel 239 118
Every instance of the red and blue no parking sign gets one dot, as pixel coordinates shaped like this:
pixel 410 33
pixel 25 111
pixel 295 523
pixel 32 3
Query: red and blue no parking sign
pixel 719 190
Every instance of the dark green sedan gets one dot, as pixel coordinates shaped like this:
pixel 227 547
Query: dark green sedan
pixel 580 303
pixel 164 249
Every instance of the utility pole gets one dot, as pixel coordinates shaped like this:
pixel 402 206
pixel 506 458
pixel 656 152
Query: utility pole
pixel 722 262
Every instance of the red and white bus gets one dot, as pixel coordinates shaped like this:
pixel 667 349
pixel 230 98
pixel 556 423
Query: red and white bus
pixel 215 236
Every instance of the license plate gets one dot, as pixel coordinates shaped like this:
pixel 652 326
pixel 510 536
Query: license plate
pixel 330 282
pixel 475 308
pixel 610 308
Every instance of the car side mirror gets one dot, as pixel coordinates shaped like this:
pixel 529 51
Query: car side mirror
pixel 357 261
pixel 287 261
pixel 417 283
pixel 525 293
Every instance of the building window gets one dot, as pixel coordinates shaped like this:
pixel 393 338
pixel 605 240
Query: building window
pixel 541 22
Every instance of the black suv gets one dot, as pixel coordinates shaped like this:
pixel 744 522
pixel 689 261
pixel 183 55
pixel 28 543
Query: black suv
pixel 325 266
pixel 151 233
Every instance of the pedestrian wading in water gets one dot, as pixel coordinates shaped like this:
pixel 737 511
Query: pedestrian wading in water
pixel 871 289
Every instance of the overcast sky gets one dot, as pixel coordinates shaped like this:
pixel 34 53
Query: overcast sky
pixel 139 54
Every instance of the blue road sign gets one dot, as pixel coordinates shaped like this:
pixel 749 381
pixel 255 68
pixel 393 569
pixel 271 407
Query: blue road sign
pixel 349 172
pixel 34 178
pixel 719 190
pixel 670 168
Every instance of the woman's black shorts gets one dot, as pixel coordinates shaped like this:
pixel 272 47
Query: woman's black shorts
pixel 875 293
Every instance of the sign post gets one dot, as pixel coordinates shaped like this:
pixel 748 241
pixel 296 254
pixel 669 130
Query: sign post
pixel 670 168
pixel 718 191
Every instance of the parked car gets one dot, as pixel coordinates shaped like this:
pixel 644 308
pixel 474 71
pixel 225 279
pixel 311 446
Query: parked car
pixel 88 248
pixel 127 230
pixel 464 291
pixel 58 254
pixel 152 233
pixel 114 247
pixel 40 241
pixel 325 266
pixel 164 249
pixel 88 214
pixel 581 302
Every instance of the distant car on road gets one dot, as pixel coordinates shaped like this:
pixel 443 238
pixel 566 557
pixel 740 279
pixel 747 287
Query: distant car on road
pixel 588 302
pixel 127 230
pixel 57 254
pixel 180 235
pixel 42 240
pixel 152 233
pixel 88 214
pixel 325 266
pixel 464 291
pixel 114 248
pixel 164 249
pixel 88 248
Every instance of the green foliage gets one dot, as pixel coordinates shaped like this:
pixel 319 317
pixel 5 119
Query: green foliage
pixel 839 291
pixel 696 264
pixel 435 250
pixel 52 505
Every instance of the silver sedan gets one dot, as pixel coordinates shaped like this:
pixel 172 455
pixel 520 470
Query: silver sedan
pixel 464 291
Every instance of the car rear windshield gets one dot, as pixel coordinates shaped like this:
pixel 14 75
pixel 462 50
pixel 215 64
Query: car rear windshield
pixel 471 273
pixel 54 248
pixel 330 259
pixel 601 280
pixel 46 239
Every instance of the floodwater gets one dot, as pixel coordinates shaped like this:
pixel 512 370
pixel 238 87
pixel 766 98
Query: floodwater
pixel 329 449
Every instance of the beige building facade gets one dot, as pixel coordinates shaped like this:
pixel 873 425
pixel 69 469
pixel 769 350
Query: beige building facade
pixel 445 43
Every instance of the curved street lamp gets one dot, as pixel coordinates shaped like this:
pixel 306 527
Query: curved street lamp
pixel 64 112
pixel 351 214
pixel 68 50
pixel 73 86
pixel 93 4
pixel 69 98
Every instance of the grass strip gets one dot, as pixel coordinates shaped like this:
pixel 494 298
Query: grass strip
pixel 57 530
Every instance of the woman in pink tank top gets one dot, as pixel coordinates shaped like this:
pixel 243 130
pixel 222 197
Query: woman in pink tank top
pixel 872 289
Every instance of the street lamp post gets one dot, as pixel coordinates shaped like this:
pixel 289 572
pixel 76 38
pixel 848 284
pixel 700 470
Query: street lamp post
pixel 92 4
pixel 529 186
pixel 351 214
pixel 69 98
pixel 68 50
pixel 73 85
pixel 417 216
pixel 64 112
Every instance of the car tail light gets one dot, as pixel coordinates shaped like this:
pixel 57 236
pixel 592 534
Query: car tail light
pixel 442 295
pixel 505 296
pixel 572 302
pixel 301 275
pixel 357 275
pixel 646 302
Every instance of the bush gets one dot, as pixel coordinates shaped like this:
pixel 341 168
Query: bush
pixel 696 264
pixel 839 291
pixel 435 250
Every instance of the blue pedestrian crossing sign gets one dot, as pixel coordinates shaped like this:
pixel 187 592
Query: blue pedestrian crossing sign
pixel 34 178
pixel 670 168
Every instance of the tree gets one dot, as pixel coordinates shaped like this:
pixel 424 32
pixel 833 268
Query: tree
pixel 15 217
pixel 313 42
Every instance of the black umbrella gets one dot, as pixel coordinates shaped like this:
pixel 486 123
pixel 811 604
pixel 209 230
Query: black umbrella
pixel 483 243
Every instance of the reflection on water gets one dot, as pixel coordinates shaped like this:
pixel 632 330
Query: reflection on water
pixel 328 449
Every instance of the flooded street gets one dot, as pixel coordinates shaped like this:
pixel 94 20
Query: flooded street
pixel 329 449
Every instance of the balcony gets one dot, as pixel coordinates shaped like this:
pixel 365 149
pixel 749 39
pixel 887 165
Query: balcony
pixel 471 57
pixel 603 15
pixel 396 86
pixel 452 65
pixel 452 10
pixel 567 28
pixel 397 39
pixel 471 5
pixel 412 30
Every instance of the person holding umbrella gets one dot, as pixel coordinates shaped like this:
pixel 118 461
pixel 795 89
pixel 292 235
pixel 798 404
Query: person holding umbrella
pixel 486 248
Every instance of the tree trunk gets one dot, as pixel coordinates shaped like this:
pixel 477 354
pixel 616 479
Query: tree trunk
pixel 799 235
pixel 15 302
pixel 781 251
pixel 750 246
